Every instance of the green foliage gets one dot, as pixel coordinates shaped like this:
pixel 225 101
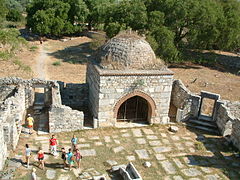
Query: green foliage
pixel 3 11
pixel 14 15
pixel 22 66
pixel 56 63
pixel 33 48
pixel 97 41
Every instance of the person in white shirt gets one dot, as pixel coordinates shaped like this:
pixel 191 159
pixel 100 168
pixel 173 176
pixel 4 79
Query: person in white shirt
pixel 27 154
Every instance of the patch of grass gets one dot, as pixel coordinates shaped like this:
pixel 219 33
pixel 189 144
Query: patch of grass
pixel 22 66
pixel 4 55
pixel 56 63
pixel 33 48
pixel 199 146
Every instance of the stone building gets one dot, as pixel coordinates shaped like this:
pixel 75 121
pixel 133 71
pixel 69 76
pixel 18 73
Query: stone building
pixel 127 83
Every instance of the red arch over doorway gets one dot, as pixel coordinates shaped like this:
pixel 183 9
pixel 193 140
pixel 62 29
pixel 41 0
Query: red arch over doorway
pixel 151 103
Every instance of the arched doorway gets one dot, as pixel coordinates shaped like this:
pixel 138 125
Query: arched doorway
pixel 134 109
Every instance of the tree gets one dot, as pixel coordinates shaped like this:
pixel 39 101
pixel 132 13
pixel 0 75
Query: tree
pixel 14 15
pixel 128 14
pixel 3 10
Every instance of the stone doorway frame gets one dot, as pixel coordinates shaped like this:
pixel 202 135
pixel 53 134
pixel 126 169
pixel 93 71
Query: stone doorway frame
pixel 208 95
pixel 150 102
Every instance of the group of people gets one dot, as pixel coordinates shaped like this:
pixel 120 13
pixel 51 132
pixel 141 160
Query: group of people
pixel 73 154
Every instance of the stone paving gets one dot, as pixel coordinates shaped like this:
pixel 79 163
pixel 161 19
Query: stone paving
pixel 171 155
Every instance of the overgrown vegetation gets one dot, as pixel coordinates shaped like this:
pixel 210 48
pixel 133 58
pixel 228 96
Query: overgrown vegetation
pixel 56 63
pixel 169 25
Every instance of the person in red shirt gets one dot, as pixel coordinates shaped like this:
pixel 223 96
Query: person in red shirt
pixel 40 158
pixel 53 145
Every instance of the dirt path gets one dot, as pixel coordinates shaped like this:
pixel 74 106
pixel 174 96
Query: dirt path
pixel 41 60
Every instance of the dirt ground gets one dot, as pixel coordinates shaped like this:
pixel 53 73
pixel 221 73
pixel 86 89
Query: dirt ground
pixel 70 56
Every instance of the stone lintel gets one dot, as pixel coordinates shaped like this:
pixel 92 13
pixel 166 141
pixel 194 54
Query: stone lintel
pixel 206 94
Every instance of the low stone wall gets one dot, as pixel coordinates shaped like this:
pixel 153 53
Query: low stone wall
pixel 228 120
pixel 186 102
pixel 74 95
pixel 3 149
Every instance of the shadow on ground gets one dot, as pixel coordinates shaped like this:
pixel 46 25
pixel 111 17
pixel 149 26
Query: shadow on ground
pixel 79 54
pixel 222 155
pixel 223 63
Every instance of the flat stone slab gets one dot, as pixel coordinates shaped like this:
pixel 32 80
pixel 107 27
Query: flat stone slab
pixel 137 132
pixel 168 167
pixel 163 135
pixel 148 131
pixel 189 143
pixel 191 172
pixel 40 138
pixel 85 175
pixel 117 141
pixel 178 163
pixel 111 162
pixel 126 135
pixel 116 168
pixel 64 177
pixel 130 158
pixel 142 154
pixel 118 149
pixel 80 140
pixel 161 149
pixel 152 137
pixel 83 145
pixel 155 143
pixel 115 136
pixel 15 164
pixel 107 139
pixel 88 152
pixel 160 157
pixel 98 143
pixel 175 138
pixel 50 174
pixel 141 141
pixel 212 177
pixel 165 141
pixel 94 138
pixel 178 178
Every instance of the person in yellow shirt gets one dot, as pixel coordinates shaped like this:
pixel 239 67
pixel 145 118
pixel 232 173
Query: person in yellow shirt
pixel 30 121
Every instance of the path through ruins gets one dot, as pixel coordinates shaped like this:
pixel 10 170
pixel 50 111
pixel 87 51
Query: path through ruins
pixel 41 60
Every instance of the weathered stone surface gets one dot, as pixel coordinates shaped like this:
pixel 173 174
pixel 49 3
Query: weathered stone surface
pixel 130 158
pixel 107 139
pixel 161 149
pixel 50 174
pixel 64 177
pixel 168 167
pixel 152 137
pixel 178 163
pixel 212 177
pixel 116 168
pixel 118 149
pixel 155 143
pixel 191 172
pixel 141 141
pixel 160 157
pixel 148 131
pixel 178 178
pixel 126 135
pixel 111 162
pixel 88 152
pixel 142 154
pixel 83 145
pixel 98 143
pixel 137 132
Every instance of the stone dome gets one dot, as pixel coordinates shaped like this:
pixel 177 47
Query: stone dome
pixel 126 51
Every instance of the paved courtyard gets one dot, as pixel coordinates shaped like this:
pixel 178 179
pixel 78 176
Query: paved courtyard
pixel 186 154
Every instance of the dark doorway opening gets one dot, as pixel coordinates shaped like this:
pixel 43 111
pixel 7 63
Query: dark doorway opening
pixel 134 109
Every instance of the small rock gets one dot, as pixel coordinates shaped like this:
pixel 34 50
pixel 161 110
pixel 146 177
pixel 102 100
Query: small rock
pixel 147 164
pixel 173 129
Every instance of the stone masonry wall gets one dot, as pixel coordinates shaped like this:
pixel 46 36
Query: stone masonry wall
pixel 3 149
pixel 228 120
pixel 113 88
pixel 74 95
pixel 62 118
pixel 93 81
pixel 186 102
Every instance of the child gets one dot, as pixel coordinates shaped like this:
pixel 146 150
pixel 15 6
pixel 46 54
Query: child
pixel 28 154
pixel 78 157
pixel 40 158
pixel 74 143
pixel 53 145
pixel 64 157
pixel 30 121
pixel 70 158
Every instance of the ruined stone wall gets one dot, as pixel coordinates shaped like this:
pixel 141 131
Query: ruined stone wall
pixel 186 102
pixel 113 88
pixel 3 148
pixel 74 95
pixel 228 120
pixel 62 118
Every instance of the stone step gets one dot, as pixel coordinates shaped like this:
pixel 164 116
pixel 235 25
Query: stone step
pixel 207 129
pixel 203 123
pixel 205 118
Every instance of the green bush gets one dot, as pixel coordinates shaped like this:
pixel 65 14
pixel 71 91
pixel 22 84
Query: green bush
pixel 56 63
pixel 33 48
pixel 14 15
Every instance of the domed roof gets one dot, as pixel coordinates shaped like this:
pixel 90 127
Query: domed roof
pixel 126 51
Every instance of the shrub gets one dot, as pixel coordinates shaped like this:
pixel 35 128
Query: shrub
pixel 56 63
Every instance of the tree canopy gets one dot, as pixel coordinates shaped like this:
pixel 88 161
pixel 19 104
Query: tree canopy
pixel 169 25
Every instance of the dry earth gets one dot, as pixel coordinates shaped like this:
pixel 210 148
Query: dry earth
pixel 72 55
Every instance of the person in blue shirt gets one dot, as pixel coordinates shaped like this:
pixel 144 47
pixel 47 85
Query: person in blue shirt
pixel 74 143
pixel 70 158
